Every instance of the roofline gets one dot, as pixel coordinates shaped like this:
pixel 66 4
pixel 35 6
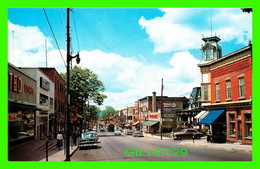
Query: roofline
pixel 226 56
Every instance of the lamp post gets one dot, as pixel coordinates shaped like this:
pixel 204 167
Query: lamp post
pixel 69 58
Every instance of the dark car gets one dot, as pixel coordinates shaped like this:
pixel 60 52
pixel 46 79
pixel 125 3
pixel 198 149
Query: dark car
pixel 138 134
pixel 88 139
pixel 189 133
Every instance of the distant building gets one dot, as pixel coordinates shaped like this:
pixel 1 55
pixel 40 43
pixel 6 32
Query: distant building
pixel 152 109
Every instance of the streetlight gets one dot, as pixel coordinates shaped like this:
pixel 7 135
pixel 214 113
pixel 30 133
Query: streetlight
pixel 69 58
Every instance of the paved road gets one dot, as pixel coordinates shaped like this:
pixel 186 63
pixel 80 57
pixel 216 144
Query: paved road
pixel 128 148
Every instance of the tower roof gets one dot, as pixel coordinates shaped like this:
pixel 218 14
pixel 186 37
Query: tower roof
pixel 211 38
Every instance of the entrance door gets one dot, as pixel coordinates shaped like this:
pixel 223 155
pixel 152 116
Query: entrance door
pixel 239 132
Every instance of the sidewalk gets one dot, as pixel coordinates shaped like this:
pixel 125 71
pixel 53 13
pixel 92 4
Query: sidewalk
pixel 35 150
pixel 234 147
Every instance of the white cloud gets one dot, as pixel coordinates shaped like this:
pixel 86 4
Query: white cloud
pixel 26 48
pixel 126 79
pixel 175 30
pixel 135 80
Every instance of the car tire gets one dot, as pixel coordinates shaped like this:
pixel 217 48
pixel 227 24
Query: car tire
pixel 198 137
pixel 178 137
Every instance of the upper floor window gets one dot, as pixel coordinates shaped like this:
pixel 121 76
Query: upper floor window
pixel 217 92
pixel 228 90
pixel 241 85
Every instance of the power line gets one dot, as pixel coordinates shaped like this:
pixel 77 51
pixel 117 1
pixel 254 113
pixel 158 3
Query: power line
pixel 76 32
pixel 54 35
pixel 93 32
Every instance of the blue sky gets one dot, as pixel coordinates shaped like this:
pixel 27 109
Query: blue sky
pixel 130 48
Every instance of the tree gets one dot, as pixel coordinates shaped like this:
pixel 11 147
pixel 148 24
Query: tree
pixel 84 86
pixel 108 112
pixel 94 110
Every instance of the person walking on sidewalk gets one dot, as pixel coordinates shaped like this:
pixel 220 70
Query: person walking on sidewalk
pixel 209 136
pixel 59 140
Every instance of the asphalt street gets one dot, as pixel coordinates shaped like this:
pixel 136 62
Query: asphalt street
pixel 129 148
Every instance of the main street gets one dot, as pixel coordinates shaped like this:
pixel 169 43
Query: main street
pixel 129 148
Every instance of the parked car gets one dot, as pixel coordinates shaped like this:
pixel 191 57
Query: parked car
pixel 102 129
pixel 137 134
pixel 88 139
pixel 128 131
pixel 189 133
pixel 117 132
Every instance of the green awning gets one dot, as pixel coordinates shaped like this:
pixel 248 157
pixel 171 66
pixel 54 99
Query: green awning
pixel 150 123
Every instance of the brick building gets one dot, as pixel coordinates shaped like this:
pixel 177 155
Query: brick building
pixel 226 91
pixel 60 98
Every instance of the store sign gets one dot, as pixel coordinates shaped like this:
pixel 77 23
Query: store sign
pixel 169 104
pixel 73 113
pixel 15 84
pixel 44 84
pixel 14 117
pixel 154 116
pixel 168 115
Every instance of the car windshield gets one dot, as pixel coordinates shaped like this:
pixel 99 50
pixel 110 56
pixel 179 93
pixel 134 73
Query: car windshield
pixel 86 135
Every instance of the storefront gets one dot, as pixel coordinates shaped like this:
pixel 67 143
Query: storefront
pixel 21 106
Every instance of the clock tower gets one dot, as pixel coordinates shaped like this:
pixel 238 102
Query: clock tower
pixel 210 49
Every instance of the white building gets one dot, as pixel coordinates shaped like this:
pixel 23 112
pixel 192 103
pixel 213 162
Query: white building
pixel 44 102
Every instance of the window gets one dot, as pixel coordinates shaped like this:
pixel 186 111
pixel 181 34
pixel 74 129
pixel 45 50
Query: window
pixel 241 85
pixel 248 126
pixel 44 100
pixel 208 54
pixel 217 92
pixel 232 125
pixel 206 93
pixel 228 89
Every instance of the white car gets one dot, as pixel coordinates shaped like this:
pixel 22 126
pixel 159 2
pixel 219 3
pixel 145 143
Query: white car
pixel 117 132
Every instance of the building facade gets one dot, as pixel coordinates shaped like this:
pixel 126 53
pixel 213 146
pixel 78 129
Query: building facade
pixel 44 102
pixel 58 118
pixel 21 106
pixel 227 88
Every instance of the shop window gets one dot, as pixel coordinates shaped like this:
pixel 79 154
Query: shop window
pixel 228 89
pixel 241 85
pixel 232 125
pixel 248 126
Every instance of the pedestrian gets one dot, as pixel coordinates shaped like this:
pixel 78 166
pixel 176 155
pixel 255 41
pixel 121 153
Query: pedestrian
pixel 172 134
pixel 209 136
pixel 59 140
pixel 74 136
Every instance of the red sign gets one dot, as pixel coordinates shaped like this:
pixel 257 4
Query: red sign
pixel 154 116
pixel 73 113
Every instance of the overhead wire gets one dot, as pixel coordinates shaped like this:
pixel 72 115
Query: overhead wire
pixel 53 35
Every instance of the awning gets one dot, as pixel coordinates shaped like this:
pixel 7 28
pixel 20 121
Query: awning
pixel 202 114
pixel 135 123
pixel 150 123
pixel 214 117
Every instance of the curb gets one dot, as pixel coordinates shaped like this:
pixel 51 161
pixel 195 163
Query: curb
pixel 218 147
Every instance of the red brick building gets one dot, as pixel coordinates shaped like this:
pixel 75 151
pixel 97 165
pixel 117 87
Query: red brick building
pixel 227 87
pixel 60 98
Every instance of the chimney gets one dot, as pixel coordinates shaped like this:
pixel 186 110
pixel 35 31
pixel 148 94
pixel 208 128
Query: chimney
pixel 154 102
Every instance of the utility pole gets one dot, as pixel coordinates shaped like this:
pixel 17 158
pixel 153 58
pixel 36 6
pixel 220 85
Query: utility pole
pixel 69 57
pixel 67 90
pixel 161 110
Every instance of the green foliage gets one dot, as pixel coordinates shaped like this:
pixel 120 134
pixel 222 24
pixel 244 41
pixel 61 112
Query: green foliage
pixel 84 86
pixel 108 111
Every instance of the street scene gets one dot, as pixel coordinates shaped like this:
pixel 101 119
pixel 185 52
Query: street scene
pixel 131 84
